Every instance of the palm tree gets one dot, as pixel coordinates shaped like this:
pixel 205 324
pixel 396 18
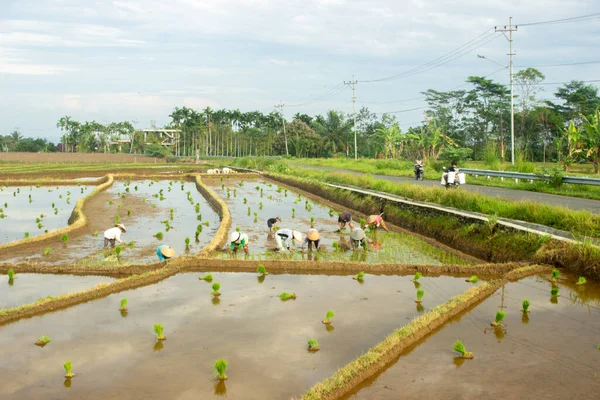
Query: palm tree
pixel 64 124
pixel 334 130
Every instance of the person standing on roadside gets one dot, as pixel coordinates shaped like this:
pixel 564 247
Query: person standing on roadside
pixel 113 235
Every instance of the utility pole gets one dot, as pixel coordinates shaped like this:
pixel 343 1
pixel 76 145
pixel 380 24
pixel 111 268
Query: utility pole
pixel 280 106
pixel 353 83
pixel 510 30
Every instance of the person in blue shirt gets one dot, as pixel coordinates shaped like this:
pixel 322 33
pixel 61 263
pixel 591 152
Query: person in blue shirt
pixel 164 252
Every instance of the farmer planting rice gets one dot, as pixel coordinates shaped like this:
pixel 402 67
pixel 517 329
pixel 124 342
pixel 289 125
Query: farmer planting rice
pixel 271 223
pixel 238 240
pixel 375 221
pixel 313 238
pixel 164 252
pixel 345 219
pixel 358 239
pixel 113 235
pixel 283 238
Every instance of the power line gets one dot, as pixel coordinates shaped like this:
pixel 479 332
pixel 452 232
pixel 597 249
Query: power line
pixel 558 65
pixel 563 83
pixel 460 51
pixel 586 17
pixel 324 96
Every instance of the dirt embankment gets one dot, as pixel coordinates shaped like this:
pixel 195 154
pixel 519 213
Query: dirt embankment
pixel 78 158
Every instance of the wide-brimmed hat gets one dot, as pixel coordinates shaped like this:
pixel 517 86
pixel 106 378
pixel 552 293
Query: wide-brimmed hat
pixel 357 234
pixel 313 234
pixel 168 252
pixel 235 237
pixel 122 227
pixel 371 219
pixel 297 235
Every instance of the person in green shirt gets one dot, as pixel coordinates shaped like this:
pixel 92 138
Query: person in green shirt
pixel 238 240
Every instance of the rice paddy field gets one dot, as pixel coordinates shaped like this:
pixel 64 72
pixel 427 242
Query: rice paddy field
pixel 379 323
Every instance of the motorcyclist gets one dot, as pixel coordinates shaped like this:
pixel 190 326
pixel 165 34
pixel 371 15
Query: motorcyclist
pixel 452 168
pixel 419 166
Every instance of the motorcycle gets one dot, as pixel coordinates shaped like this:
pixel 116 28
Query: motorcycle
pixel 453 179
pixel 419 172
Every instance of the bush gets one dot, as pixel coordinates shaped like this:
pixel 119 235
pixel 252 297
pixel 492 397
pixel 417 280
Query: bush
pixel 553 176
pixel 156 150
pixel 458 154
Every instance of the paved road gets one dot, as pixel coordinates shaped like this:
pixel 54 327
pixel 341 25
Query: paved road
pixel 574 203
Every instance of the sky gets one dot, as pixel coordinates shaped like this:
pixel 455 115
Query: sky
pixel 136 60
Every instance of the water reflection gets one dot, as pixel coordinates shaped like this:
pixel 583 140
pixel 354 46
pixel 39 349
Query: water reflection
pixel 158 346
pixel 220 388
pixel 216 301
pixel 67 383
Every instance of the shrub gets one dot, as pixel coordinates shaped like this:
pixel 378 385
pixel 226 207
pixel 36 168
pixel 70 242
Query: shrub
pixel 156 150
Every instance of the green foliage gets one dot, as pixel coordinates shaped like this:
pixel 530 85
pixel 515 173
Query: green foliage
pixel 553 176
pixel 313 344
pixel 581 281
pixel 261 269
pixel 474 279
pixel 499 317
pixel 554 292
pixel 420 294
pixel 526 305
pixel 417 276
pixel 124 304
pixel 221 368
pixel 287 296
pixel 156 150
pixel 216 286
pixel 459 347
pixel 330 314
pixel 158 329
pixel 65 238
pixel 159 235
pixel 11 274
pixel 68 366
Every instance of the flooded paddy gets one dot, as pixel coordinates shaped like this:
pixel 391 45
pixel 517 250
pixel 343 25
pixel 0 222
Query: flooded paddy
pixel 27 211
pixel 252 201
pixel 28 288
pixel 144 207
pixel 551 353
pixel 264 339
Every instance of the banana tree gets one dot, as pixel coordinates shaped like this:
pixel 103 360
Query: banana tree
pixel 590 134
pixel 569 142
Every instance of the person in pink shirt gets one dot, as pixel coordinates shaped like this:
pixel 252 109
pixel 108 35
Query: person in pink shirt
pixel 376 221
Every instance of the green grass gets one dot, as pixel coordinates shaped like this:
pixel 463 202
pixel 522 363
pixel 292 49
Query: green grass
pixel 459 347
pixel 313 344
pixel 207 278
pixel 526 305
pixel 577 222
pixel 360 276
pixel 261 270
pixel 554 292
pixel 417 276
pixel 330 314
pixel 158 329
pixel 581 281
pixel 287 296
pixel 474 279
pixel 220 368
pixel 124 303
pixel 68 366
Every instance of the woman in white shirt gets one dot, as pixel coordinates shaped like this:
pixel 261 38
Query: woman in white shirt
pixel 113 235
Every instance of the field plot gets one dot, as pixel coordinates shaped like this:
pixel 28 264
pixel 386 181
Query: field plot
pixel 146 208
pixel 28 288
pixel 27 211
pixel 549 353
pixel 264 339
pixel 252 201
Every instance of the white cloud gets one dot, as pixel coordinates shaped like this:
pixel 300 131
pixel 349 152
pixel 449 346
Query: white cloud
pixel 19 68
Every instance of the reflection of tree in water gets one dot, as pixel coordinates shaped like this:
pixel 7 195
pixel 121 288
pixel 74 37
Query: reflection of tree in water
pixel 220 388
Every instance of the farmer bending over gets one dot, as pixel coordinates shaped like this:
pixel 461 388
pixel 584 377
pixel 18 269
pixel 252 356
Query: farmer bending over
pixel 345 218
pixel 238 240
pixel 271 223
pixel 164 252
pixel 375 221
pixel 113 235
pixel 283 238
pixel 313 238
pixel 358 239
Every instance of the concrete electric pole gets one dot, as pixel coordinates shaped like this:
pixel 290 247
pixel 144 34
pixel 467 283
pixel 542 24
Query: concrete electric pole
pixel 280 106
pixel 353 83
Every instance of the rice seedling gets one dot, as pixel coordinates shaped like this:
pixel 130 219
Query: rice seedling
pixel 118 206
pixel 261 270
pixel 109 202
pixel 330 314
pixel 42 341
pixel 313 345
pixel 118 251
pixel 215 287
pixel 499 318
pixel 123 305
pixel 554 292
pixel 207 223
pixel 26 234
pixel 135 188
pixel 473 279
pixel 526 305
pixel 555 274
pixel 65 238
pixel 581 281
pixel 131 244
pixel 158 329
pixel 207 278
pixel 95 234
pixel 293 213
pixel 312 222
pixel 159 235
pixel 47 251
pixel 220 368
pixel 40 226
pixel 417 276
pixel 11 275
pixel 199 228
pixel 360 276
pixel 420 294
pixel 68 369
pixel 459 347
pixel 2 216
pixel 260 205
pixel 234 192
pixel 128 213
pixel 287 296
pixel 117 219
pixel 53 205
pixel 199 217
pixel 249 211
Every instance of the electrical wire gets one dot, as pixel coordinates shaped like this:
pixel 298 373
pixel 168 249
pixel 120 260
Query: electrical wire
pixel 586 17
pixel 558 65
pixel 324 96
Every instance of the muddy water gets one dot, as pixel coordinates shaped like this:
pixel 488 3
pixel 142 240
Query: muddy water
pixel 28 288
pixel 276 202
pixel 262 338
pixel 21 211
pixel 552 354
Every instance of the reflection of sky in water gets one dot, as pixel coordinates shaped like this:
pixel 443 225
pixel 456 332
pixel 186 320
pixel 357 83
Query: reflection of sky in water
pixel 262 337
pixel 391 247
pixel 28 288
pixel 20 215
pixel 183 224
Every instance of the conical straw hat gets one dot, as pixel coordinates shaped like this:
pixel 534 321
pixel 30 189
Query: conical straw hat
pixel 168 252
pixel 313 234
pixel 357 234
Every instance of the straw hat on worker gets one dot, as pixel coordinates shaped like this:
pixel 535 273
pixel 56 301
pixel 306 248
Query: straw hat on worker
pixel 376 221
pixel 238 240
pixel 164 252
pixel 358 238
pixel 283 238
pixel 313 237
